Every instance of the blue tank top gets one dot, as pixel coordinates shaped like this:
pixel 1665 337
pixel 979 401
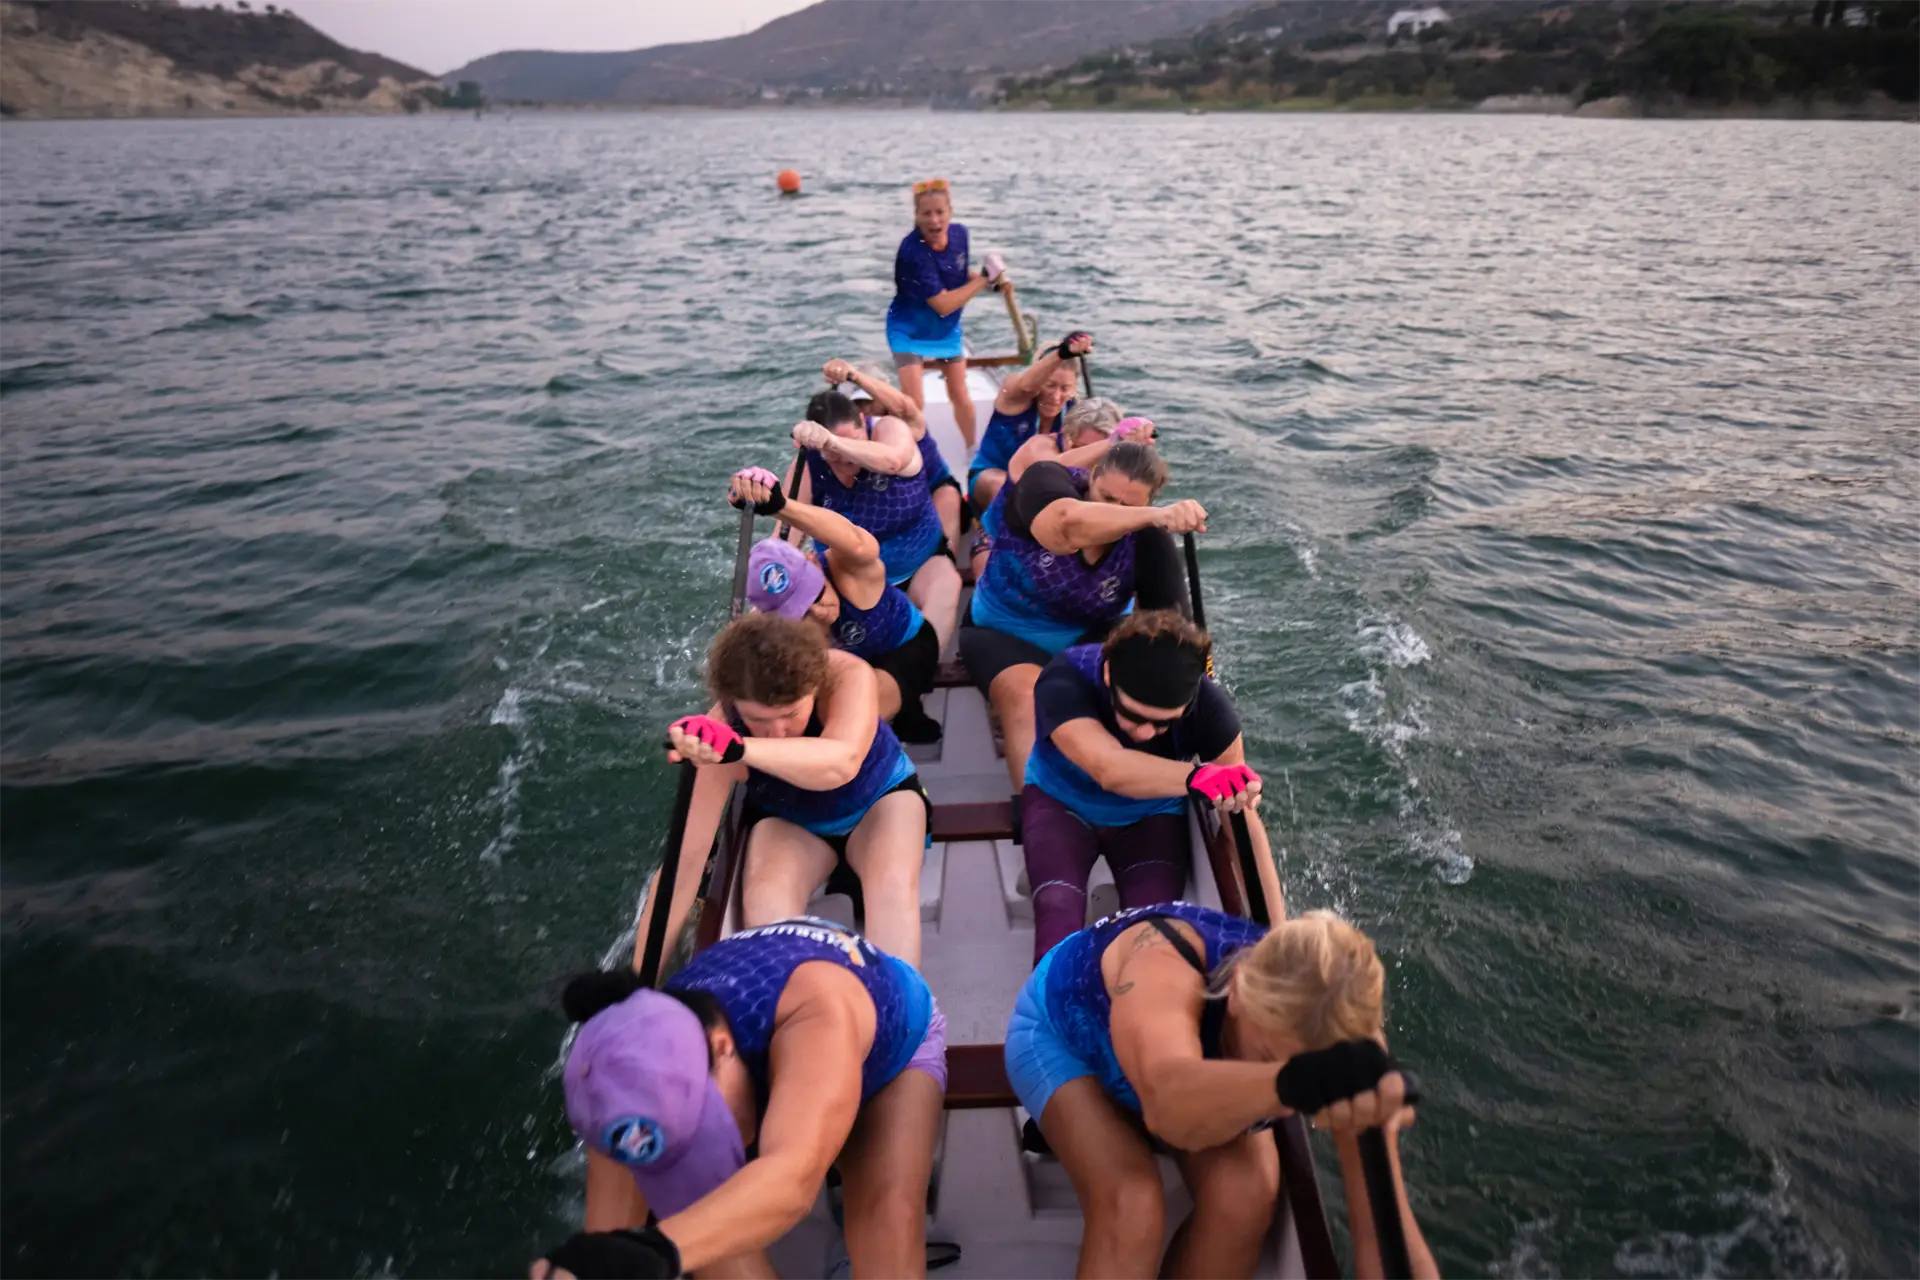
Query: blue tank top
pixel 835 812
pixel 747 971
pixel 1004 435
pixel 1049 769
pixel 868 633
pixel 897 510
pixel 1050 600
pixel 932 465
pixel 1075 995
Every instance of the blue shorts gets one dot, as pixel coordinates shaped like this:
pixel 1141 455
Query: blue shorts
pixel 951 347
pixel 1038 1059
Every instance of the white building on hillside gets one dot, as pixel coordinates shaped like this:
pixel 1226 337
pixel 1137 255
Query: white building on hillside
pixel 1414 20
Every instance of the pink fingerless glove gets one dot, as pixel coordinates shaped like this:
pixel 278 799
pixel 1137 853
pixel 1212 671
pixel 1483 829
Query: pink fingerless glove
pixel 1133 428
pixel 776 497
pixel 716 735
pixel 1216 782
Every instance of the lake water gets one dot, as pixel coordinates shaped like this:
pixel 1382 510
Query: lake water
pixel 361 485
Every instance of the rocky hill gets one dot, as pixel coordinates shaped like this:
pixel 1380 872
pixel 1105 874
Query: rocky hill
pixel 912 49
pixel 155 58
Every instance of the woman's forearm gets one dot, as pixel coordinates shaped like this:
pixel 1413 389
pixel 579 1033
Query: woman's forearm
pixel 812 764
pixel 756 1206
pixel 1026 384
pixel 1095 524
pixel 888 398
pixel 1367 1263
pixel 1200 1103
pixel 952 300
pixel 1137 775
pixel 889 457
pixel 833 529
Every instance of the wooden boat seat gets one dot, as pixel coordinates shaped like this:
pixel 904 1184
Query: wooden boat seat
pixel 986 820
pixel 977 1077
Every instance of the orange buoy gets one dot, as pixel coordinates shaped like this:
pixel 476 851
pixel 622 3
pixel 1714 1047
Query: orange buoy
pixel 789 182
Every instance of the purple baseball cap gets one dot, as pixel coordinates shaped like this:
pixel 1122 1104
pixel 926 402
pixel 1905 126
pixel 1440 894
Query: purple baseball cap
pixel 640 1093
pixel 780 579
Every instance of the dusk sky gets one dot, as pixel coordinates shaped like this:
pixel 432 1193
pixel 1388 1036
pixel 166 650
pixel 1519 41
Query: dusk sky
pixel 439 35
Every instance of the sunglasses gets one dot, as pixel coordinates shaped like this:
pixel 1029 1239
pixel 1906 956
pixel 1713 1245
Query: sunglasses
pixel 1159 724
pixel 931 184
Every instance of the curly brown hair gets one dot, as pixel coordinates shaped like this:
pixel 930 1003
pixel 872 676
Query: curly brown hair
pixel 1158 624
pixel 765 658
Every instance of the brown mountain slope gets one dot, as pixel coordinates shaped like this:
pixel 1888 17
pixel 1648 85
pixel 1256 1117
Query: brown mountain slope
pixel 909 47
pixel 99 58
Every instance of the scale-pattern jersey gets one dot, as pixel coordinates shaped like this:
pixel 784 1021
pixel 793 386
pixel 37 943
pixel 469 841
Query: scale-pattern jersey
pixel 835 812
pixel 1004 435
pixel 896 510
pixel 868 633
pixel 747 971
pixel 1076 994
pixel 932 464
pixel 1031 592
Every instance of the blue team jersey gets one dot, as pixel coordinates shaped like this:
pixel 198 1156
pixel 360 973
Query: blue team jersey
pixel 747 971
pixel 1075 995
pixel 919 272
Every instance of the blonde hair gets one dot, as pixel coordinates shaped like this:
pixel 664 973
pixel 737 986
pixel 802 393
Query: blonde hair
pixel 1314 976
pixel 1092 414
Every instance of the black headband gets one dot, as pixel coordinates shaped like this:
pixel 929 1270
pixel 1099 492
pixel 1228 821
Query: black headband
pixel 1156 671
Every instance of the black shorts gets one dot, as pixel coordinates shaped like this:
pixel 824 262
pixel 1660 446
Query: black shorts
pixel 841 873
pixel 912 665
pixel 966 507
pixel 986 652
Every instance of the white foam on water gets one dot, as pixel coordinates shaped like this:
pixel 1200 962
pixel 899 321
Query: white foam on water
pixel 1527 1260
pixel 1441 850
pixel 1309 559
pixel 1770 1221
pixel 510 714
pixel 1394 643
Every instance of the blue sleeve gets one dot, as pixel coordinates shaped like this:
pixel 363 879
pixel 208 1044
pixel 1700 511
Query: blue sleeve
pixel 1062 694
pixel 915 273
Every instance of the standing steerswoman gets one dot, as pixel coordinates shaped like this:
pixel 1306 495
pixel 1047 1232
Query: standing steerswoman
pixel 931 283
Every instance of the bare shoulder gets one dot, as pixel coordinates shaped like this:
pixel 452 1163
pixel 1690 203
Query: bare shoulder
pixel 1144 948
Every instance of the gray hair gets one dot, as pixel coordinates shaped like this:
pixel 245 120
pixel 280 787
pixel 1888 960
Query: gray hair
pixel 869 369
pixel 1091 414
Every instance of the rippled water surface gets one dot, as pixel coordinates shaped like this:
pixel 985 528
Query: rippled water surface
pixel 360 485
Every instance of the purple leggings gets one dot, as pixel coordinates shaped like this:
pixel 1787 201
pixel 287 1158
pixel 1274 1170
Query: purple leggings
pixel 1148 858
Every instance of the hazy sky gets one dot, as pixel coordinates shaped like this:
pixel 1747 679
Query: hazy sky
pixel 439 35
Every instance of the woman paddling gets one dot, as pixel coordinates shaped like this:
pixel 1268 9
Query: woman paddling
pixel 1173 1019
pixel 1117 728
pixel 844 592
pixel 872 472
pixel 931 283
pixel 873 395
pixel 800 1041
pixel 827 782
pixel 1031 401
pixel 1071 552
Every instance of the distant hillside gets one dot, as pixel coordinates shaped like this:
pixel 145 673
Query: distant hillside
pixel 128 58
pixel 1830 57
pixel 847 48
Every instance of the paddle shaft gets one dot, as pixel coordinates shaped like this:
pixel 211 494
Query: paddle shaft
pixel 740 554
pixel 1086 376
pixel 662 902
pixel 1375 1164
pixel 793 492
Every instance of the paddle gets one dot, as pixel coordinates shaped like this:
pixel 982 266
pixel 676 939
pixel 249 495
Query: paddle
pixel 661 904
pixel 1086 376
pixel 793 491
pixel 1374 1160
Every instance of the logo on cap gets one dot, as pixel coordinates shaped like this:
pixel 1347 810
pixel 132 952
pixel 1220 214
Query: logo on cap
pixel 774 579
pixel 634 1140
